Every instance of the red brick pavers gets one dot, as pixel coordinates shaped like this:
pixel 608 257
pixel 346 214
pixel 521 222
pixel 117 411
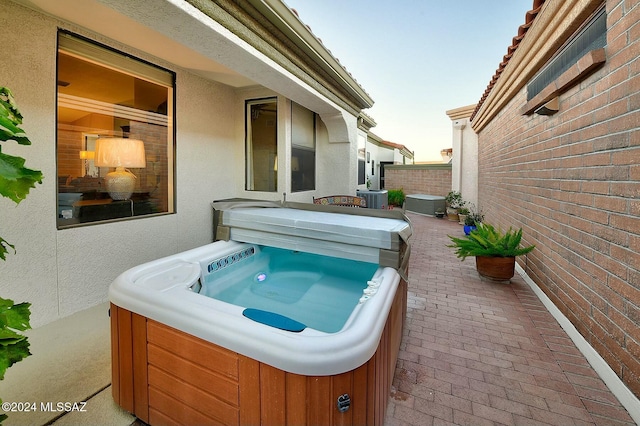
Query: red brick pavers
pixel 476 352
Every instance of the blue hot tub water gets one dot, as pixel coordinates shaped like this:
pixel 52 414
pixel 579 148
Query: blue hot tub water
pixel 317 291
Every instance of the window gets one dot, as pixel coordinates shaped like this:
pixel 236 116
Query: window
pixel 362 169
pixel 303 149
pixel 108 98
pixel 262 145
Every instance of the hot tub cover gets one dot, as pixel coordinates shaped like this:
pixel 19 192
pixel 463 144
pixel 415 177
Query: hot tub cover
pixel 342 228
pixel 375 236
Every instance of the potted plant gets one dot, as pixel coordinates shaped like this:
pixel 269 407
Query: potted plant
pixel 439 213
pixel 472 220
pixel 15 182
pixel 463 212
pixel 454 202
pixel 495 251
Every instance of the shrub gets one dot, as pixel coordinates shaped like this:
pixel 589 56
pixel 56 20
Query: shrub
pixel 396 197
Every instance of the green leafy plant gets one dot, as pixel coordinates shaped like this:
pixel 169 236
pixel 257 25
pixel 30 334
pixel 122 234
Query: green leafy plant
pixel 486 240
pixel 15 179
pixel 454 199
pixel 474 217
pixel 395 197
pixel 13 346
pixel 15 183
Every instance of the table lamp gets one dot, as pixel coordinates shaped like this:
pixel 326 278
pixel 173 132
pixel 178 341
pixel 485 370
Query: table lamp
pixel 120 153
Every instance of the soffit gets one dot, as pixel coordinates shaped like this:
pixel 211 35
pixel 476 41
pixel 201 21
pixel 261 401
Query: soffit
pixel 93 15
pixel 223 49
pixel 276 31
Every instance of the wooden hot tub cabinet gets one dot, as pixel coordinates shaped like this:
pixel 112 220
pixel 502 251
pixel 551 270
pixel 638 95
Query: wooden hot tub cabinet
pixel 165 376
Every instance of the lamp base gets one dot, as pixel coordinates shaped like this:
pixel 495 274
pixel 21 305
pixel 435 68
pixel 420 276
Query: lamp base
pixel 120 183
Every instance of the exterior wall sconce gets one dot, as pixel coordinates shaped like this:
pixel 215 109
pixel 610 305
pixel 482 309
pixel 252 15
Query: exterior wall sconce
pixel 549 108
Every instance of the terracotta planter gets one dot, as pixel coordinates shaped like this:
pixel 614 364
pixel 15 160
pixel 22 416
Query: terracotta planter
pixel 496 268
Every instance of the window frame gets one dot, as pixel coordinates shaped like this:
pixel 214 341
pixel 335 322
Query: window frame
pixel 249 170
pixel 305 152
pixel 106 57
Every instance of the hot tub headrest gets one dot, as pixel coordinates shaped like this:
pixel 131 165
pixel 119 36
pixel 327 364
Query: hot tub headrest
pixel 274 320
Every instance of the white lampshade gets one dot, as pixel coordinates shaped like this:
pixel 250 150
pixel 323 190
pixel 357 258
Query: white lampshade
pixel 119 152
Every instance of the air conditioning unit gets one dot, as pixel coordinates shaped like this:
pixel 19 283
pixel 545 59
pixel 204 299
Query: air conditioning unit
pixel 375 199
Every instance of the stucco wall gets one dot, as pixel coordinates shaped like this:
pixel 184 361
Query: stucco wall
pixel 429 179
pixel 572 181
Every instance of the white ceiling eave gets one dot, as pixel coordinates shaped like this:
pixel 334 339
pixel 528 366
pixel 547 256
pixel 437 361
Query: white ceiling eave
pixel 177 32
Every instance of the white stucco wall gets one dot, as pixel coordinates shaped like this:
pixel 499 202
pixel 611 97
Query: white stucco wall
pixel 64 271
pixel 336 163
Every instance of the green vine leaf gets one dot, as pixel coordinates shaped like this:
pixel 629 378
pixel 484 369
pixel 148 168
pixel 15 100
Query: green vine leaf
pixel 13 346
pixel 4 248
pixel 15 179
pixel 10 118
pixel 12 353
pixel 14 316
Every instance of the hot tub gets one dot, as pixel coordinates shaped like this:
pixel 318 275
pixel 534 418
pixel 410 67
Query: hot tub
pixel 243 333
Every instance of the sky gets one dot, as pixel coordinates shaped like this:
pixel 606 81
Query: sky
pixel 417 59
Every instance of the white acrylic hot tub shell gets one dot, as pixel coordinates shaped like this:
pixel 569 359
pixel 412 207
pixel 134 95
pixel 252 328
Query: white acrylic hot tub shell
pixel 160 290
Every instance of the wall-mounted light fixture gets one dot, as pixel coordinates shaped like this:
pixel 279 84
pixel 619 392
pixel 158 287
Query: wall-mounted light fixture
pixel 549 108
pixel 120 153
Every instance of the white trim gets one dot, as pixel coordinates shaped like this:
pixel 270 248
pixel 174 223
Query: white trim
pixel 105 108
pixel 628 400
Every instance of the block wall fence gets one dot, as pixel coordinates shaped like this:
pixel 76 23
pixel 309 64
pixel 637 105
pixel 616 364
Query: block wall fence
pixel 572 181
pixel 429 179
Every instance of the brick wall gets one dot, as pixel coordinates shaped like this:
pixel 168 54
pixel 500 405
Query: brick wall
pixel 572 181
pixel 430 179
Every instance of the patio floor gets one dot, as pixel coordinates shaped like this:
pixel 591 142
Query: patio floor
pixel 482 353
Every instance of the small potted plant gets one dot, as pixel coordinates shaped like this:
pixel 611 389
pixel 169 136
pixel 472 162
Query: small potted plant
pixel 472 220
pixel 439 214
pixel 463 212
pixel 495 251
pixel 454 202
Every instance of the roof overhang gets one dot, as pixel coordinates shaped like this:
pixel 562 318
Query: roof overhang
pixel 262 43
pixel 299 33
